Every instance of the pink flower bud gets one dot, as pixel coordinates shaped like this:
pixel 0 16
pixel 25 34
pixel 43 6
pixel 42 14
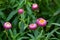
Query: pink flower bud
pixel 41 22
pixel 20 11
pixel 7 25
pixel 32 26
pixel 35 6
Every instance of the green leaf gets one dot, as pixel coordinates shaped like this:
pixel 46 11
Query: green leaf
pixel 50 21
pixel 57 24
pixel 54 39
pixel 11 15
pixel 22 38
pixel 21 3
pixel 40 35
pixel 2 15
pixel 29 9
pixel 2 22
pixel 57 12
pixel 11 33
pixel 12 1
pixel 58 32
pixel 36 33
pixel 31 36
pixel 21 27
pixel 50 34
pixel 15 22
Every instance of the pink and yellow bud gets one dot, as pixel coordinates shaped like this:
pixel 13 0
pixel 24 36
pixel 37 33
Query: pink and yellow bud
pixel 32 26
pixel 7 25
pixel 35 6
pixel 20 11
pixel 41 22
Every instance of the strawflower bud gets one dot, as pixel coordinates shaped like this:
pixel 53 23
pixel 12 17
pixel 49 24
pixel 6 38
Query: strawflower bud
pixel 41 22
pixel 20 11
pixel 7 25
pixel 35 6
pixel 33 26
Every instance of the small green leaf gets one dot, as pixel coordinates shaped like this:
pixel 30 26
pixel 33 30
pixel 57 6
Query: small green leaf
pixel 57 24
pixel 57 12
pixel 2 15
pixel 31 36
pixel 11 15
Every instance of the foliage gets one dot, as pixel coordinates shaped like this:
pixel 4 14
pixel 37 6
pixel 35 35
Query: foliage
pixel 48 9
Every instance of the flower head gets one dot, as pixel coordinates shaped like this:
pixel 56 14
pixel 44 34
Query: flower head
pixel 41 22
pixel 32 26
pixel 35 6
pixel 7 25
pixel 20 11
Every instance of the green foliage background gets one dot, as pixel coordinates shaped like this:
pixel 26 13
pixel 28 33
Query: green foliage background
pixel 48 9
